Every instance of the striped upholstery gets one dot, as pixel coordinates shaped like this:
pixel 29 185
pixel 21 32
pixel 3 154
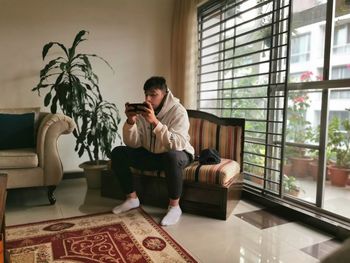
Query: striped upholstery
pixel 230 142
pixel 227 139
pixel 203 134
pixel 222 174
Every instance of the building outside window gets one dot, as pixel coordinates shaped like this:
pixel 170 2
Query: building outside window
pixel 300 48
pixel 341 40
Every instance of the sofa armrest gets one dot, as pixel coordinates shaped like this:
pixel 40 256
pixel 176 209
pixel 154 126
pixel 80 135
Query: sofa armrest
pixel 50 128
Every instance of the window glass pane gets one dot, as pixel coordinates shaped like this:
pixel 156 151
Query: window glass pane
pixel 337 194
pixel 307 40
pixel 340 68
pixel 302 142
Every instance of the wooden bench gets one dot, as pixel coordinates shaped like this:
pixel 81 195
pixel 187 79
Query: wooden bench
pixel 210 190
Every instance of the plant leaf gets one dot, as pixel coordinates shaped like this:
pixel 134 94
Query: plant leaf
pixel 54 104
pixel 47 47
pixel 77 40
pixel 44 71
pixel 81 150
pixel 47 99
pixel 105 61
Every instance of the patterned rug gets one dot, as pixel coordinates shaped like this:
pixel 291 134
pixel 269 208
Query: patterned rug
pixel 130 237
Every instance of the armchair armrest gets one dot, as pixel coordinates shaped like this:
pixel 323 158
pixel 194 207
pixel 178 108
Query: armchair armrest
pixel 50 128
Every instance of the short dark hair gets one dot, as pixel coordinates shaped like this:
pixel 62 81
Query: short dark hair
pixel 155 83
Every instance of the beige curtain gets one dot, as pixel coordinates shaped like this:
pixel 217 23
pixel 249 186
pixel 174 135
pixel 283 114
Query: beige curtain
pixel 184 52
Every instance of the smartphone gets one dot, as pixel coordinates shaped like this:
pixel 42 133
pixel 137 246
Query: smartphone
pixel 137 106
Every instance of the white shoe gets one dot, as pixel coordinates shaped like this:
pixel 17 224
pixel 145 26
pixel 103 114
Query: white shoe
pixel 172 217
pixel 128 204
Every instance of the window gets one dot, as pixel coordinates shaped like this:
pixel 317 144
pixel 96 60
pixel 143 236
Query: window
pixel 341 72
pixel 300 48
pixel 242 73
pixel 341 40
pixel 250 58
pixel 317 105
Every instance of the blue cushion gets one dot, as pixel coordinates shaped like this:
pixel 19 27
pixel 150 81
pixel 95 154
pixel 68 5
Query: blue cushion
pixel 16 131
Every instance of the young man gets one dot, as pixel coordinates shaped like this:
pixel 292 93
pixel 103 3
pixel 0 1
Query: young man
pixel 157 138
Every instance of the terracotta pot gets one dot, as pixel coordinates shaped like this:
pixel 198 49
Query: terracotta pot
pixel 300 166
pixel 257 181
pixel 339 175
pixel 287 169
pixel 313 170
pixel 293 192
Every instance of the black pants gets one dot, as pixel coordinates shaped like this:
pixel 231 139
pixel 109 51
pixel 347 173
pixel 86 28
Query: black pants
pixel 172 162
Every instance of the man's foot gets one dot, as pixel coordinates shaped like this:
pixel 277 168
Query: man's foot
pixel 172 217
pixel 129 203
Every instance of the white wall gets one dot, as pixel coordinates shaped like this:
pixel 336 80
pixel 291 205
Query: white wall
pixel 132 35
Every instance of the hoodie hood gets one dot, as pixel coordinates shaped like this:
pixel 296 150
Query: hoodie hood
pixel 170 101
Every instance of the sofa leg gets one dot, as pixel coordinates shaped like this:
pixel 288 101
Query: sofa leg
pixel 51 195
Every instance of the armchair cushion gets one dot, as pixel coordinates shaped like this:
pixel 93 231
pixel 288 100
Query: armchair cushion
pixel 221 174
pixel 17 131
pixel 18 158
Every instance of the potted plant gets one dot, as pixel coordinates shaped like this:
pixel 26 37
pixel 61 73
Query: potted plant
pixel 290 185
pixel 299 131
pixel 313 165
pixel 73 86
pixel 340 144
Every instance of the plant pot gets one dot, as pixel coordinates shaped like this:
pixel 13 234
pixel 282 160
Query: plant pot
pixel 257 181
pixel 300 166
pixel 293 192
pixel 93 172
pixel 313 170
pixel 339 175
pixel 287 169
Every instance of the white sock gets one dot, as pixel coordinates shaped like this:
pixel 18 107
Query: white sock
pixel 172 217
pixel 128 204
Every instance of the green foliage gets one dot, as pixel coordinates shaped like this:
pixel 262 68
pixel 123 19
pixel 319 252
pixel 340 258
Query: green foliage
pixel 73 86
pixel 299 130
pixel 290 184
pixel 339 141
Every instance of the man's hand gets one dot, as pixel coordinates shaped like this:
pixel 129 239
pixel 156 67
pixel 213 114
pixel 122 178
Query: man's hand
pixel 149 115
pixel 132 115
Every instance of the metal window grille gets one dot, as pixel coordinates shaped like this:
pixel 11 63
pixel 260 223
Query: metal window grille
pixel 242 72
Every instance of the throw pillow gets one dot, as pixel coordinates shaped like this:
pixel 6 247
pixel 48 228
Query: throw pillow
pixel 17 131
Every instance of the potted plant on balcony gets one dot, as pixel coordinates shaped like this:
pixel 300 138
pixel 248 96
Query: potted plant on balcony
pixel 340 145
pixel 299 131
pixel 313 165
pixel 290 185
pixel 74 88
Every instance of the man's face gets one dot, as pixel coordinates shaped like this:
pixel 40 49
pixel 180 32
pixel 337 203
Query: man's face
pixel 154 96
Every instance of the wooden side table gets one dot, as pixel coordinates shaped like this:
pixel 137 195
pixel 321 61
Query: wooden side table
pixel 3 183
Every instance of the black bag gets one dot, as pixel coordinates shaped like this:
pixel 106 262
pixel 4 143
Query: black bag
pixel 209 156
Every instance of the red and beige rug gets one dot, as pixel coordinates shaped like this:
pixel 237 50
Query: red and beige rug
pixel 130 237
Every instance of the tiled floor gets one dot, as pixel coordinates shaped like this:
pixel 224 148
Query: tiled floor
pixel 208 240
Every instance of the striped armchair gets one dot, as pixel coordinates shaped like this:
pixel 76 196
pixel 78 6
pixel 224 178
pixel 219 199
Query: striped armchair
pixel 224 135
pixel 211 190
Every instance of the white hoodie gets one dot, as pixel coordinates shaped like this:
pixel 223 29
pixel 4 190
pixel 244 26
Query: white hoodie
pixel 171 132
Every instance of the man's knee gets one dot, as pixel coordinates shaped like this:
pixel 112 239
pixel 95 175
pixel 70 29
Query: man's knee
pixel 118 151
pixel 119 155
pixel 173 158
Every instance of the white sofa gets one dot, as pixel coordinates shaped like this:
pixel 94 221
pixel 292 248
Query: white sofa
pixel 41 165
